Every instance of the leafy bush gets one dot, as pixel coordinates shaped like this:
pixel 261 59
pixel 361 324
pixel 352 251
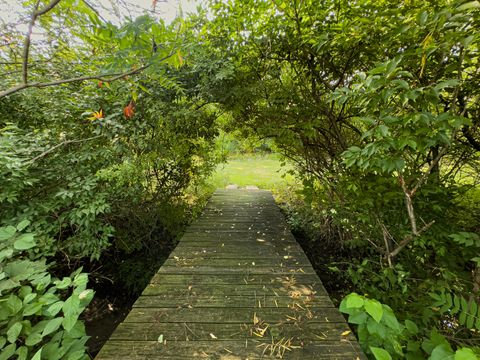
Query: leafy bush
pixel 39 314
pixel 384 337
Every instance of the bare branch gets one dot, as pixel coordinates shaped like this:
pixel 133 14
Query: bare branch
pixel 409 238
pixel 409 205
pixel 26 45
pixel 101 77
pixel 47 8
pixel 67 142
pixel 425 175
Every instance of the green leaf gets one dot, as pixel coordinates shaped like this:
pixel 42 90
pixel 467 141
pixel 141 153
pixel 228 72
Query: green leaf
pixel 380 354
pixel 359 318
pixel 24 242
pixel 69 322
pixel 465 354
pixel 32 308
pixel 71 305
pixel 442 352
pixel 446 84
pixel 411 327
pixel 14 304
pixel 55 308
pixel 374 309
pixel 64 283
pixel 469 5
pixel 23 224
pixel 8 351
pixel 33 339
pixel 7 232
pixel 52 326
pixel 22 353
pixel 14 331
pixel 38 355
pixel 354 301
pixel 472 311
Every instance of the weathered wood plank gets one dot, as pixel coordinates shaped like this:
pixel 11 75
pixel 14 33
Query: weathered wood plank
pixel 234 262
pixel 229 350
pixel 293 291
pixel 231 301
pixel 234 315
pixel 234 270
pixel 225 279
pixel 307 332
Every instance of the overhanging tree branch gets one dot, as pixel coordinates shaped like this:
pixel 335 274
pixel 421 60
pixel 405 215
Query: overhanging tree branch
pixel 26 47
pixel 100 77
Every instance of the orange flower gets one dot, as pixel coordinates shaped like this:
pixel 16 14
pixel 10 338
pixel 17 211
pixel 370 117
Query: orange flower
pixel 97 115
pixel 129 110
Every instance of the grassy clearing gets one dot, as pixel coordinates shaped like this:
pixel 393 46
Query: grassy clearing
pixel 263 171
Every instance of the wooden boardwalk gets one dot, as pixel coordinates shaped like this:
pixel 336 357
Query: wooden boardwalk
pixel 237 286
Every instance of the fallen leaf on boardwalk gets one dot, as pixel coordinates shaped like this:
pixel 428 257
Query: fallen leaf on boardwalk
pixel 345 333
pixel 255 319
pixel 213 336
pixel 260 240
pixel 160 339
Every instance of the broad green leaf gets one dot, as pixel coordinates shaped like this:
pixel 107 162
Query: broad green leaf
pixel 24 242
pixel 442 352
pixel 14 331
pixel 52 326
pixel 380 354
pixel 374 309
pixel 71 305
pixel 465 354
pixel 23 224
pixel 69 321
pixel 359 318
pixel 38 355
pixel 55 308
pixel 354 301
pixel 446 84
pixel 33 339
pixel 411 327
pixel 8 351
pixel 7 232
pixel 64 283
pixel 22 353
pixel 32 308
pixel 469 5
pixel 14 304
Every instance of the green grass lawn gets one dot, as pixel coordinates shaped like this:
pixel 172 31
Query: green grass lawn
pixel 263 171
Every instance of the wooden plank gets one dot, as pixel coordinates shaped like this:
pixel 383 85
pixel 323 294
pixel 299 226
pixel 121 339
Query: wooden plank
pixel 225 279
pixel 246 270
pixel 231 301
pixel 234 315
pixel 234 262
pixel 296 290
pixel 204 331
pixel 229 350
